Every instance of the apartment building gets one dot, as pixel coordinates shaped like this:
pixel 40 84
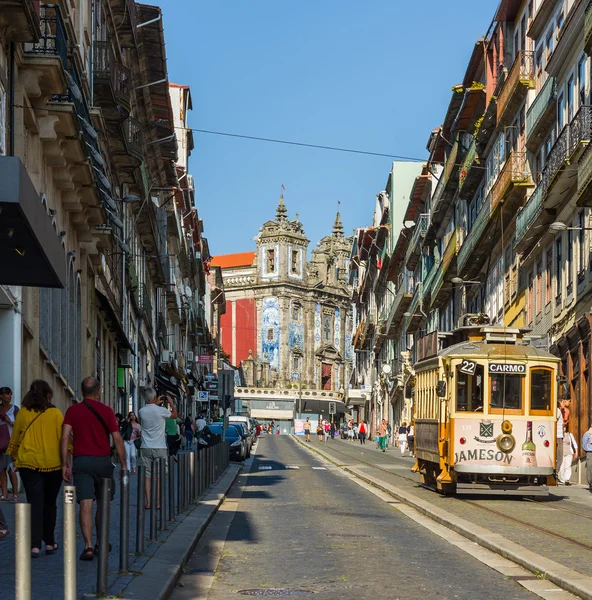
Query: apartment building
pixel 103 251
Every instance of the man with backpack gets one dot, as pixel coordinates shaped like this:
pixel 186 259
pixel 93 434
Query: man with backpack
pixel 92 425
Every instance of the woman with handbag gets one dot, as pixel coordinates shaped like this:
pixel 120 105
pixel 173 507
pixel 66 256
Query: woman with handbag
pixel 35 448
pixel 8 412
pixel 132 440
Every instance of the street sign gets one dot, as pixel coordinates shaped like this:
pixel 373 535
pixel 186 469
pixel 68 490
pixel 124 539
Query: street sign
pixel 203 396
pixel 332 408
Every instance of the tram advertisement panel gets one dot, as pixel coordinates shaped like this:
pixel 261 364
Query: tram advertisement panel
pixel 521 444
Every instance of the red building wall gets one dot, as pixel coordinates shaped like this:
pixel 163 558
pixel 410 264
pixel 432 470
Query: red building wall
pixel 239 324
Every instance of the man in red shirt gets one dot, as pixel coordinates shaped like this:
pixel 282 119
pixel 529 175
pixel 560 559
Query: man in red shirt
pixel 91 423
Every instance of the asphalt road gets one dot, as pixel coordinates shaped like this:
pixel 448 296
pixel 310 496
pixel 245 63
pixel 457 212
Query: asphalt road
pixel 312 529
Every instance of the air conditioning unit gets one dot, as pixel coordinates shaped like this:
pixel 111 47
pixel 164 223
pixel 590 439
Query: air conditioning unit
pixel 165 357
pixel 189 356
pixel 125 359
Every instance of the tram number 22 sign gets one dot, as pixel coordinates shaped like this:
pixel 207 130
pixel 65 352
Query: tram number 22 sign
pixel 467 367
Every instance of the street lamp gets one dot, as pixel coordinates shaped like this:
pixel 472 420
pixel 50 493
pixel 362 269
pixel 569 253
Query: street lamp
pixel 558 227
pixel 461 281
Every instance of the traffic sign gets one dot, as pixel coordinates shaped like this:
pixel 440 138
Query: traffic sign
pixel 203 396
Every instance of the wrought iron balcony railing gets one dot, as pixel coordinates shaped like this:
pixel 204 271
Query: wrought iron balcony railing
pixel 527 216
pixel 520 77
pixel 467 164
pixel 147 306
pixel 134 139
pixel 514 172
pixel 53 41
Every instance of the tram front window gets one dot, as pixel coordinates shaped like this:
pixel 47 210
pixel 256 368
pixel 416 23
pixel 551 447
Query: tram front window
pixel 506 391
pixel 469 390
pixel 541 389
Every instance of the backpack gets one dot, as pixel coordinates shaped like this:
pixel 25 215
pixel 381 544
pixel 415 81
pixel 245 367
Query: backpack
pixel 126 432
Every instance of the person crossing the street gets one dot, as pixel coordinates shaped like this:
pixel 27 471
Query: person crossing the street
pixel 306 427
pixel 587 447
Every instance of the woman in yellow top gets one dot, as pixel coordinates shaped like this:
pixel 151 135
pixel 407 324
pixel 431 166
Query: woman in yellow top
pixel 35 448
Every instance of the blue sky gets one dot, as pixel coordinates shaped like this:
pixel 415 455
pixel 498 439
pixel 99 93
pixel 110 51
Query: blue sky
pixel 370 75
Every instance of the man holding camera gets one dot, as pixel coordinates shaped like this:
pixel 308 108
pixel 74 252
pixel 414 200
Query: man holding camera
pixel 153 417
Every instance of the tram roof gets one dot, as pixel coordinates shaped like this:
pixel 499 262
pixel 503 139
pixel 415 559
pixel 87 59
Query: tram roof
pixel 491 350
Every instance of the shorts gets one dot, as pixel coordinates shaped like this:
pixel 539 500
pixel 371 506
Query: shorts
pixel 149 454
pixel 88 471
pixel 6 462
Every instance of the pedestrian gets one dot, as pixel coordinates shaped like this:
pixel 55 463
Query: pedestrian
pixel 559 436
pixel 131 435
pixel 8 412
pixel 306 428
pixel 356 430
pixel 362 431
pixel 326 429
pixel 382 439
pixel 333 429
pixel 173 436
pixel 411 439
pixel 154 418
pixel 389 432
pixel 570 454
pixel 188 433
pixel 35 449
pixel 350 430
pixel 200 423
pixel 587 448
pixel 403 438
pixel 92 425
pixel 320 431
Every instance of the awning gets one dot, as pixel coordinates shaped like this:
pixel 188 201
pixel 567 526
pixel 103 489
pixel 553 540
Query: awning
pixel 30 250
pixel 114 321
pixel 321 405
pixel 165 387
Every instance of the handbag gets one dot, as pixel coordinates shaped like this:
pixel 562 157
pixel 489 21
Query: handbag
pixel 138 443
pixel 4 437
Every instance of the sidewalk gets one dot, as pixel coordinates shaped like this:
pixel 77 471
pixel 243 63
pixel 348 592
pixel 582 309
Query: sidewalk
pixel 552 538
pixel 47 572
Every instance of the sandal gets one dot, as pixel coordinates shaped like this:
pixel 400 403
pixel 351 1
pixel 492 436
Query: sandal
pixel 87 554
pixel 96 550
pixel 3 533
pixel 35 554
pixel 52 550
pixel 13 499
pixel 3 498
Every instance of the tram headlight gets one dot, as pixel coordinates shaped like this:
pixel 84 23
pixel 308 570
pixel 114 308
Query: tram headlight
pixel 506 426
pixel 506 442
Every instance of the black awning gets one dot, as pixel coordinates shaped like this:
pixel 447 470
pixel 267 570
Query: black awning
pixel 165 388
pixel 30 250
pixel 321 405
pixel 114 321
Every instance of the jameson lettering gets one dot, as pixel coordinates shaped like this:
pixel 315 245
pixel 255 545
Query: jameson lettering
pixel 505 368
pixel 482 454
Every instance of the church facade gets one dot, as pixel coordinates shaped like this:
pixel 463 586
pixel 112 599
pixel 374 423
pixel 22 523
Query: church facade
pixel 288 321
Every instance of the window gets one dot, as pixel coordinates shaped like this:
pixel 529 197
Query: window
pixel 294 261
pixel 270 260
pixel 582 82
pixel 539 73
pixel 569 261
pixel 549 47
pixel 530 304
pixel 296 368
pixel 582 242
pixel 538 294
pixel 270 334
pixel 549 276
pixel 560 21
pixel 571 86
pixel 327 328
pixel 469 390
pixel 506 391
pixel 558 279
pixel 3 148
pixel 296 312
pixel 541 389
pixel 560 116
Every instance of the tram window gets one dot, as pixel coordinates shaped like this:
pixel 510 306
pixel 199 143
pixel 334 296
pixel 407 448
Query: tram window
pixel 541 389
pixel 506 391
pixel 469 390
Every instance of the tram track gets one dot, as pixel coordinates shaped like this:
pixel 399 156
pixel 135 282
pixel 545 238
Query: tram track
pixel 488 509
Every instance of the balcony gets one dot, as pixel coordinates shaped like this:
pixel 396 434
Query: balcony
pixel 146 306
pixel 469 178
pixel 126 143
pixel 427 287
pixel 511 184
pixel 528 215
pixel 475 236
pixel 20 20
pixel 584 194
pixel 567 150
pixel 112 83
pixel 541 114
pixel 415 316
pixel 520 79
pixel 415 245
pixel 124 17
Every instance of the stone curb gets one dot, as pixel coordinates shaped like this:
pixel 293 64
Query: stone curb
pixel 161 573
pixel 568 579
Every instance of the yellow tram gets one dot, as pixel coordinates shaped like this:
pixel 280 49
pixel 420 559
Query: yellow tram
pixel 485 413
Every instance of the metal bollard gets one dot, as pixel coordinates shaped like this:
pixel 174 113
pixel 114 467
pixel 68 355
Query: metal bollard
pixel 188 480
pixel 153 500
pixel 162 481
pixel 103 566
pixel 140 533
pixel 185 482
pixel 69 542
pixel 124 516
pixel 22 542
pixel 192 477
pixel 171 489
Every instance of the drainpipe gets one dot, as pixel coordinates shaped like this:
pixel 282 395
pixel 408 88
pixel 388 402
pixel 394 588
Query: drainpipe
pixel 11 85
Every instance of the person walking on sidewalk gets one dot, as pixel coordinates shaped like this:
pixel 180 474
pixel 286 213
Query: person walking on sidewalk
pixel 382 439
pixel 8 412
pixel 188 433
pixel 306 428
pixel 411 439
pixel 333 429
pixel 92 426
pixel 320 431
pixel 153 417
pixel 587 447
pixel 570 454
pixel 131 434
pixel 326 429
pixel 35 449
pixel 403 438
pixel 362 431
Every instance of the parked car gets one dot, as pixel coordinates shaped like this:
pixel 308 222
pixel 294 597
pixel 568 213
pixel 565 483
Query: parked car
pixel 245 436
pixel 246 421
pixel 234 438
pixel 207 438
